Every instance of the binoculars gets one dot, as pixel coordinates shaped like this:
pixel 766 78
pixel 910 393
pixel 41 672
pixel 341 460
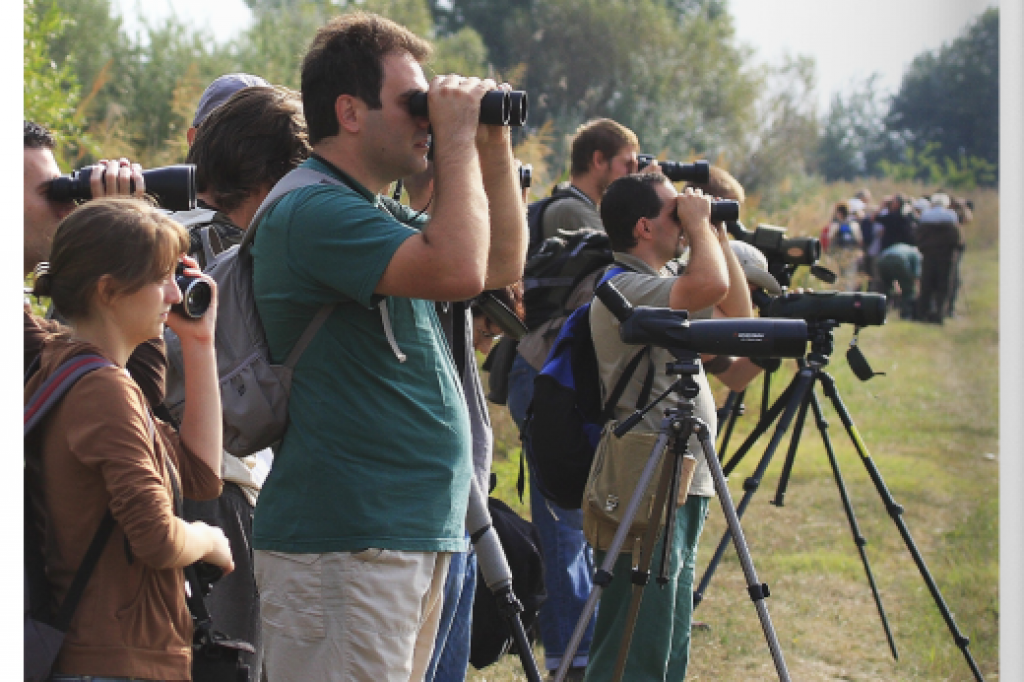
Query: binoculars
pixel 174 187
pixel 497 108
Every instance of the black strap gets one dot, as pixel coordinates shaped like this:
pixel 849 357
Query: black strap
pixel 81 579
pixel 194 596
pixel 620 385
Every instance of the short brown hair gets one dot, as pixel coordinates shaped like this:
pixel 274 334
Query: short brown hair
pixel 347 58
pixel 598 135
pixel 249 142
pixel 721 184
pixel 124 237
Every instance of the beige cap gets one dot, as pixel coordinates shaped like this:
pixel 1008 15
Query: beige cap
pixel 755 267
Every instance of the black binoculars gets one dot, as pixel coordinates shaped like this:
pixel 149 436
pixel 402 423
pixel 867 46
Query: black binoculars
pixel 173 187
pixel 698 171
pixel 497 108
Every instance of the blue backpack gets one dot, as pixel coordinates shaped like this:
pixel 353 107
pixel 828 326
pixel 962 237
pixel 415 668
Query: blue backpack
pixel 844 237
pixel 565 418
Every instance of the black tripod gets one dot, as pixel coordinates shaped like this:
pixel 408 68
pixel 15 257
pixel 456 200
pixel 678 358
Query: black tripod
pixel 676 428
pixel 795 400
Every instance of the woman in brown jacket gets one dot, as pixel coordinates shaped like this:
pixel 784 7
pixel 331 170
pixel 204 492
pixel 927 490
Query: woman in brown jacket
pixel 112 275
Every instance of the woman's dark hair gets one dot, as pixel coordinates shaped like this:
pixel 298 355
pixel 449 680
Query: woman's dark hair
pixel 124 237
pixel 347 58
pixel 625 202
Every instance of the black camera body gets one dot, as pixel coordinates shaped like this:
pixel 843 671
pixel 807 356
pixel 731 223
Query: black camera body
pixel 497 107
pixel 174 187
pixel 698 171
pixel 772 242
pixel 860 309
pixel 196 294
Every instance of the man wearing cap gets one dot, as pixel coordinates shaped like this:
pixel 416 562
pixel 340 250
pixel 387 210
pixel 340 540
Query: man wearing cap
pixel 939 236
pixel 646 219
pixel 245 136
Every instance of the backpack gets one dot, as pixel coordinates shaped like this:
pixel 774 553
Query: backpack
pixel 535 218
pixel 44 629
pixel 491 636
pixel 254 392
pixel 565 418
pixel 844 238
pixel 551 275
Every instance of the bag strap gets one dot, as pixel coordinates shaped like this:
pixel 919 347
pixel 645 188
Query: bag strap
pixel 193 595
pixel 616 269
pixel 41 402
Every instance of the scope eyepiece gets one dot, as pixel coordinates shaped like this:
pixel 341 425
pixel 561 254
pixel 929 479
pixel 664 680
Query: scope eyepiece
pixel 497 107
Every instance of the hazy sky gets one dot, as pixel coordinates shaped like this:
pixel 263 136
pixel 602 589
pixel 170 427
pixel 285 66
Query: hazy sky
pixel 849 39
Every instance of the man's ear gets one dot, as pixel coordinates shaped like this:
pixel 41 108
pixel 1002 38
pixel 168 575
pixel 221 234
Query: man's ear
pixel 349 111
pixel 642 230
pixel 598 161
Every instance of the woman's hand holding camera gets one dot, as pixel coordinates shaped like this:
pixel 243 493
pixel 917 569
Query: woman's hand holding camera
pixel 218 550
pixel 196 330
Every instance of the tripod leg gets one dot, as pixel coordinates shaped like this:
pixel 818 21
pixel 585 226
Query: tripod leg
pixel 795 393
pixel 603 576
pixel 756 589
pixel 668 484
pixel 763 424
pixel 735 405
pixel 794 442
pixel 858 538
pixel 896 512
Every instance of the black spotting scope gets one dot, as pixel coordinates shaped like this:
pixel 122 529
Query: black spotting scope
pixel 772 242
pixel 174 187
pixel 497 108
pixel 861 309
pixel 670 329
pixel 698 171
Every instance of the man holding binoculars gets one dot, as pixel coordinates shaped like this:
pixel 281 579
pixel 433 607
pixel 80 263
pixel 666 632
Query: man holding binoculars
pixel 367 497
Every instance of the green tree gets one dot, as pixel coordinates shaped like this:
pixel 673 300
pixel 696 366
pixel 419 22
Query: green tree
pixel 51 90
pixel 852 133
pixel 950 97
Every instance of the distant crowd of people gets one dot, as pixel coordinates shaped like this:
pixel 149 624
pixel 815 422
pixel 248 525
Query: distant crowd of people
pixel 909 249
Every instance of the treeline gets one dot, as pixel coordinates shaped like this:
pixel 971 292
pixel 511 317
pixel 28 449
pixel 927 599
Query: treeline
pixel 672 70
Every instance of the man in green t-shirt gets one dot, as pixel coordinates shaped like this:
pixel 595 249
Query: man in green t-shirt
pixel 367 497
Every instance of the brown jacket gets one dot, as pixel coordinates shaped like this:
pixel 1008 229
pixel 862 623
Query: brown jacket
pixel 99 449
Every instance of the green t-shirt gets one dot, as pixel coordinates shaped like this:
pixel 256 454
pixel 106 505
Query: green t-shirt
pixel 378 451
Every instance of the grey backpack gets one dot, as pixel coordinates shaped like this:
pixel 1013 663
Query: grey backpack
pixel 253 391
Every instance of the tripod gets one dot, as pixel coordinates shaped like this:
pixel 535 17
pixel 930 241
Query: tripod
pixel 497 575
pixel 677 426
pixel 796 399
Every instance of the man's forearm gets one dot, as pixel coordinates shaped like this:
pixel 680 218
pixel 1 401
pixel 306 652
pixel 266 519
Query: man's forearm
pixel 507 253
pixel 706 280
pixel 737 302
pixel 458 233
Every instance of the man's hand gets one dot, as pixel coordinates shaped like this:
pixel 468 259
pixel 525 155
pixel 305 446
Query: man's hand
pixel 693 210
pixel 492 136
pixel 109 178
pixel 454 105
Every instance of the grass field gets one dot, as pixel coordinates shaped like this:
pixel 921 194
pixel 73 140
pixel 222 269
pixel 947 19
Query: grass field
pixel 931 427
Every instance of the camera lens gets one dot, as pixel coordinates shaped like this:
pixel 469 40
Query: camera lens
pixel 196 295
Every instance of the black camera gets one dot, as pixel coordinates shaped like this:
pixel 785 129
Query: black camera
pixel 525 176
pixel 698 171
pixel 772 242
pixel 196 294
pixel 861 309
pixel 174 187
pixel 671 329
pixel 497 108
